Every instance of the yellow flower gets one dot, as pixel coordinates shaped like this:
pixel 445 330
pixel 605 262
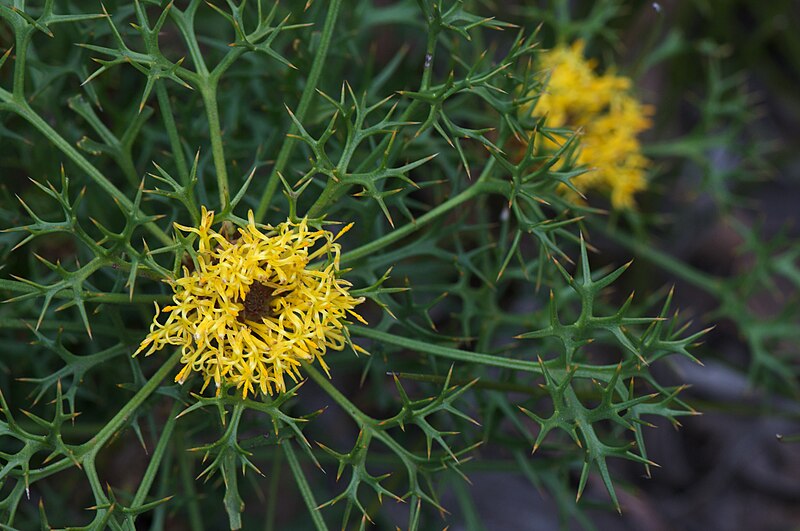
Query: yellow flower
pixel 253 306
pixel 608 117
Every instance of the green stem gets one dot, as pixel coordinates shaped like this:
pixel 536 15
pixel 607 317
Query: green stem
pixel 23 39
pixel 332 192
pixel 70 326
pixel 649 252
pixel 165 488
pixel 274 485
pixel 409 228
pixel 93 446
pixel 372 427
pixel 472 520
pixel 482 384
pixel 339 398
pixel 86 453
pixel 89 296
pixel 27 113
pixel 302 484
pixel 119 152
pixel 446 352
pixel 156 460
pixel 430 52
pixel 184 20
pixel 68 431
pixel 302 107
pixel 90 470
pixel 187 481
pixel 555 367
pixel 208 89
pixel 167 115
pixel 125 162
pixel 387 460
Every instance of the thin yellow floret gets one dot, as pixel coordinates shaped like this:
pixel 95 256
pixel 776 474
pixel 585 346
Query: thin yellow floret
pixel 608 116
pixel 251 309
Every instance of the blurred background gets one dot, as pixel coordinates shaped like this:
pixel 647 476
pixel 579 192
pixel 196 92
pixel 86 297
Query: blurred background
pixel 731 211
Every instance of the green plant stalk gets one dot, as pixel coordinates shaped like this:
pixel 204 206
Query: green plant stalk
pixel 602 373
pixel 481 185
pixel 302 484
pixel 70 431
pixel 302 107
pixel 89 296
pixel 349 408
pixel 92 447
pixel 446 352
pixel 164 493
pixel 472 519
pixel 120 152
pixel 206 83
pixel 208 90
pixel 334 190
pixel 374 427
pixel 155 462
pixel 430 53
pixel 23 38
pixel 85 455
pixel 273 495
pixel 70 326
pixel 384 459
pixel 87 452
pixel 24 110
pixel 165 107
pixel 708 283
pixel 504 387
pixel 410 228
pixel 187 482
pixel 185 22
pixel 90 470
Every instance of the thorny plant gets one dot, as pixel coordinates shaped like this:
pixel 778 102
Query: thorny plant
pixel 490 332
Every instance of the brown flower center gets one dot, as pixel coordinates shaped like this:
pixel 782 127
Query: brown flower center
pixel 257 303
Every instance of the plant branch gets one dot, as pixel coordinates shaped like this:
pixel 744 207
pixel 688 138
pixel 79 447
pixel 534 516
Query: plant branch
pixel 27 113
pixel 302 484
pixel 302 107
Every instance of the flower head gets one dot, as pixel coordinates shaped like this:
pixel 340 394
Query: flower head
pixel 608 116
pixel 253 307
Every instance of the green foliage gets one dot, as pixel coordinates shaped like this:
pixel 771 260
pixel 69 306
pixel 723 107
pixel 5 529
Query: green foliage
pixel 153 109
